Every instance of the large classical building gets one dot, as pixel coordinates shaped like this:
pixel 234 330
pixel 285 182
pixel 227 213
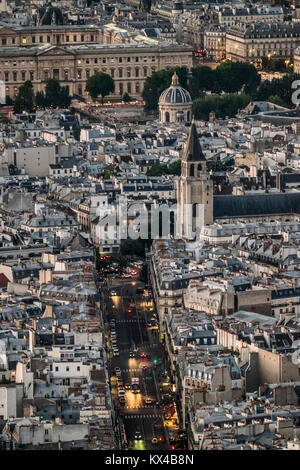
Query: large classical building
pixel 53 52
pixel 252 42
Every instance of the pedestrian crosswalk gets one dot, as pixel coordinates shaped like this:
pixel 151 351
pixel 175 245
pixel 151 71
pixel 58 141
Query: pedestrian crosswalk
pixel 132 320
pixel 146 407
pixel 138 416
pixel 145 347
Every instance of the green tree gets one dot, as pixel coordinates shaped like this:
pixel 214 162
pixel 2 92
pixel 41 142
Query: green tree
pixel 25 98
pixel 202 79
pixel 107 174
pixel 159 81
pixel 9 101
pixel 175 168
pixel 126 98
pixel 156 170
pixel 226 105
pixel 281 87
pixel 100 84
pixel 276 100
pixel 76 132
pixel 40 99
pixel 55 95
pixel 234 76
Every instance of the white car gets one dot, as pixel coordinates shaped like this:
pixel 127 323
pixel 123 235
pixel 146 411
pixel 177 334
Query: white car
pixel 113 293
pixel 116 352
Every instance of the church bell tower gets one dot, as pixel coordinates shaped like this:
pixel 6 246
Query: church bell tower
pixel 195 190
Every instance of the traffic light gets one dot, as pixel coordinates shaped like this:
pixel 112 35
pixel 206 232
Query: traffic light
pixel 155 361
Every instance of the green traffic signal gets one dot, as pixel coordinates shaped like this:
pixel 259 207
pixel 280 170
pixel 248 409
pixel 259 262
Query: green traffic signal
pixel 155 361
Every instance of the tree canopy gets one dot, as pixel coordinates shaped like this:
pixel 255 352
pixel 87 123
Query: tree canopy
pixel 100 84
pixel 159 81
pixel 226 105
pixel 159 170
pixel 25 98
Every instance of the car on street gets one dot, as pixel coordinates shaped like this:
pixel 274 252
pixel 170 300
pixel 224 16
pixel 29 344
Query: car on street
pixel 154 440
pixel 144 368
pixel 117 369
pixel 114 341
pixel 131 354
pixel 113 293
pixel 148 401
pixel 143 355
pixel 137 436
pixel 122 401
pixel 127 386
pixel 116 352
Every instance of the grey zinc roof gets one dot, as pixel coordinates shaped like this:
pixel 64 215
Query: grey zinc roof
pixel 256 204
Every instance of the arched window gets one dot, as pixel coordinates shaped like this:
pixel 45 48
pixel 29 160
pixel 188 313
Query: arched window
pixel 167 117
pixel 199 168
pixel 188 117
pixel 191 170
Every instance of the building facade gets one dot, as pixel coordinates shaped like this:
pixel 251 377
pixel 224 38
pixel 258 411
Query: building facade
pixel 128 64
pixel 252 42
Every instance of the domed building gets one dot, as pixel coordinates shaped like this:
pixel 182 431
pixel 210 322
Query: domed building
pixel 175 103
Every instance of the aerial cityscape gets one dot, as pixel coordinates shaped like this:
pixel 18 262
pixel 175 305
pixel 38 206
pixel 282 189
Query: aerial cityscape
pixel 149 227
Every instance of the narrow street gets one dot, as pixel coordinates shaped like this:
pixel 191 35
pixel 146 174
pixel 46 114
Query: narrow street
pixel 131 312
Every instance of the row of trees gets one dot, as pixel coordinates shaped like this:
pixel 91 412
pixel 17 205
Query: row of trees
pixel 54 95
pixel 228 77
pixel 225 105
pixel 159 170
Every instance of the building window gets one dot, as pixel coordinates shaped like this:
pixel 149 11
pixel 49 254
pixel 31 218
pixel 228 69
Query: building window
pixel 74 38
pixel 23 76
pixel 66 75
pixel 79 74
pixel 15 76
pixel 112 72
pixel 129 87
pixel 96 61
pixel 33 39
pixel 137 88
pixel 56 369
pixel 82 38
pixel 121 88
pixel 128 73
pixel 46 74
pixel 31 75
pixel 137 72
pixel 120 73
pixel 3 42
pixel 78 368
pixel 67 369
pixel 120 59
pixel 87 73
pixel 145 71
pixel 6 75
pixel 67 38
pixel 24 40
pixel 41 39
pixel 48 39
pixel 92 38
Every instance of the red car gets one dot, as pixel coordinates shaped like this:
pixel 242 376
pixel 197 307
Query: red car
pixel 143 355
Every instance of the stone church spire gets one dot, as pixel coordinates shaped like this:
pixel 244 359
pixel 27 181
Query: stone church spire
pixel 195 189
